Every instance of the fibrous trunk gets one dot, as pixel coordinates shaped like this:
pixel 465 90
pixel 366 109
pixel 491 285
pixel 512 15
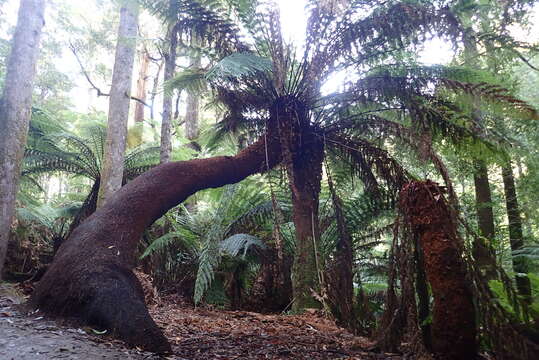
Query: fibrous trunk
pixel 515 232
pixel 482 250
pixel 113 162
pixel 91 276
pixel 453 322
pixel 303 152
pixel 15 110
pixel 340 274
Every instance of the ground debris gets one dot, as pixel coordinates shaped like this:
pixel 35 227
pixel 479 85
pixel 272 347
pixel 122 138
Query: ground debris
pixel 195 333
pixel 206 333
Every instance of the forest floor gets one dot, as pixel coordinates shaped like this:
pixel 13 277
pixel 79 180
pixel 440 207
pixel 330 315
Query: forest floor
pixel 201 333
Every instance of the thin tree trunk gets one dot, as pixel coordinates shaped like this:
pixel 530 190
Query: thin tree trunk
pixel 482 251
pixel 141 94
pixel 429 217
pixel 166 124
pixel 91 276
pixel 15 109
pixel 192 111
pixel 516 238
pixel 341 277
pixel 113 162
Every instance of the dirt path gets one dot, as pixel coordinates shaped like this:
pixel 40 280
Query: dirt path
pixel 31 337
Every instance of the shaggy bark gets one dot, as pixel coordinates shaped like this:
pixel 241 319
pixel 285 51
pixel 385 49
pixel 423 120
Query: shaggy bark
pixel 516 238
pixel 120 97
pixel 453 323
pixel 91 275
pixel 15 110
pixel 303 153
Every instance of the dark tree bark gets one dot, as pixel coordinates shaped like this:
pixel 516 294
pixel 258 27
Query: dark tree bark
pixel 422 290
pixel 429 217
pixel 516 238
pixel 15 110
pixel 482 250
pixel 340 274
pixel 91 276
pixel 303 153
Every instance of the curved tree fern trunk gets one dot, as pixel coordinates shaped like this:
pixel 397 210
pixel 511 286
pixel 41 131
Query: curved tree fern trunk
pixel 453 324
pixel 91 276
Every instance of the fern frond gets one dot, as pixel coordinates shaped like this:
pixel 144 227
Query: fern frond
pixel 237 243
pixel 239 65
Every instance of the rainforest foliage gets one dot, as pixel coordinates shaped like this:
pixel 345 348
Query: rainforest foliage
pixel 392 188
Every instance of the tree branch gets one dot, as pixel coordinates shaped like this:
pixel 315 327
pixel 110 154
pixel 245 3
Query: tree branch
pixel 93 85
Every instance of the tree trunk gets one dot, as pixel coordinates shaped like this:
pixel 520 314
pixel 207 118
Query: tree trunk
pixel 16 108
pixel 192 112
pixel 113 162
pixel 482 251
pixel 340 275
pixel 303 153
pixel 166 123
pixel 516 238
pixel 422 290
pixel 91 275
pixel 141 94
pixel 429 217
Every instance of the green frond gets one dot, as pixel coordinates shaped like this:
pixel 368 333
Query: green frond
pixel 37 162
pixel 186 238
pixel 210 256
pixel 239 65
pixel 237 243
pixel 191 80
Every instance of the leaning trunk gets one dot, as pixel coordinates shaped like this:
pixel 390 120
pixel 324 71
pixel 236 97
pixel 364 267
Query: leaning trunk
pixel 429 217
pixel 113 162
pixel 15 110
pixel 515 232
pixel 91 276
